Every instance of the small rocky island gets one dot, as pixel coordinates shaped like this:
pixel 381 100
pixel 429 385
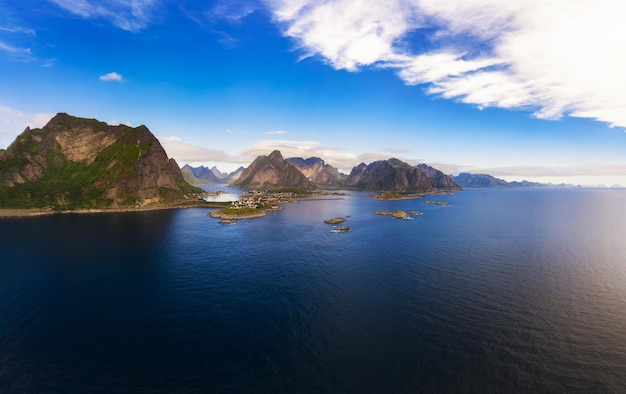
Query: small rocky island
pixel 338 220
pixel 398 214
pixel 385 196
pixel 437 202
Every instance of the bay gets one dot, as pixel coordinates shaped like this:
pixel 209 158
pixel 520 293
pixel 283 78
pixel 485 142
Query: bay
pixel 520 290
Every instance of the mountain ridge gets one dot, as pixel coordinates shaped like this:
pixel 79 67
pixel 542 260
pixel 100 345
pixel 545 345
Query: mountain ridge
pixel 397 176
pixel 322 174
pixel 272 172
pixel 469 180
pixel 74 163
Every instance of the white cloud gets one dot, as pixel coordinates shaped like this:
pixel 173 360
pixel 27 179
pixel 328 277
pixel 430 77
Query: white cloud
pixel 591 170
pixel 187 152
pixel 13 122
pixel 276 132
pixel 13 50
pixel 112 77
pixel 556 58
pixel 589 174
pixel 398 150
pixel 292 148
pixel 231 10
pixel 114 122
pixel 18 29
pixel 131 15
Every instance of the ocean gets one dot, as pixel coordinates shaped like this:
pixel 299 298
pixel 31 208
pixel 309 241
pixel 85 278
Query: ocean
pixel 502 290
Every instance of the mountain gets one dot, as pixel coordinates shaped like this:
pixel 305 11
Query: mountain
pixel 189 175
pixel 398 176
pixel 525 183
pixel 322 174
pixel 74 163
pixel 233 176
pixel 202 175
pixel 218 174
pixel 438 179
pixel 272 172
pixel 465 179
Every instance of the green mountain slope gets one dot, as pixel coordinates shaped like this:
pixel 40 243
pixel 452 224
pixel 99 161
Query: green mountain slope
pixel 74 163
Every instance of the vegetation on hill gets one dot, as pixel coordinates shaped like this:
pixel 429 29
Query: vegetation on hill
pixel 77 163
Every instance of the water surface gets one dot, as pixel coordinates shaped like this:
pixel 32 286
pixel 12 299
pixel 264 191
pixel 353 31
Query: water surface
pixel 502 290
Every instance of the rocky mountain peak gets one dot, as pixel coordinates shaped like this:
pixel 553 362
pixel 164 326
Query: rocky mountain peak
pixel 396 175
pixel 272 172
pixel 322 174
pixel 81 163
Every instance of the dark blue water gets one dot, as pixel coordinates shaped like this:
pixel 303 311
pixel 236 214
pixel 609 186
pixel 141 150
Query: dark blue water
pixel 500 291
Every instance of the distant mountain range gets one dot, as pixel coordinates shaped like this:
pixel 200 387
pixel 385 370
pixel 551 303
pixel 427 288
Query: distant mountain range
pixel 74 163
pixel 465 179
pixel 383 175
pixel 275 172
pixel 203 175
pixel 468 180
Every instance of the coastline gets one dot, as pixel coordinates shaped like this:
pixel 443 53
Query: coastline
pixel 30 212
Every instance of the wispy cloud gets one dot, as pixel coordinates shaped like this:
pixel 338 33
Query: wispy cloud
pixel 13 122
pixel 398 150
pixel 554 58
pixel 14 50
pixel 18 29
pixel 592 169
pixel 186 152
pixel 590 174
pixel 276 132
pixel 216 14
pixel 131 15
pixel 115 122
pixel 232 11
pixel 112 77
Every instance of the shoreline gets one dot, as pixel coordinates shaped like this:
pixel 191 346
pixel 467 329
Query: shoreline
pixel 31 212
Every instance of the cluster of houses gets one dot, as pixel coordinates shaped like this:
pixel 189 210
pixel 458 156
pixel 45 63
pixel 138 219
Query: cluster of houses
pixel 257 199
pixel 248 202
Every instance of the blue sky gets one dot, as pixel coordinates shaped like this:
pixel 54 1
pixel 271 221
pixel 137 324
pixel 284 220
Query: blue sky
pixel 520 90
